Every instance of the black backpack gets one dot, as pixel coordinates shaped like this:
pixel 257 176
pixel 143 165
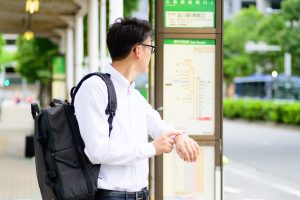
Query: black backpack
pixel 63 170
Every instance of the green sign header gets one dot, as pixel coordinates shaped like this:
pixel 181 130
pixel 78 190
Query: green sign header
pixel 190 5
pixel 189 13
pixel 190 41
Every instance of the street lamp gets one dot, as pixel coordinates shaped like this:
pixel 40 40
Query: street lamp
pixel 28 35
pixel 32 6
pixel 274 74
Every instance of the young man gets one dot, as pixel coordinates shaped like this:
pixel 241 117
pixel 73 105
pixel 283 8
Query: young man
pixel 124 155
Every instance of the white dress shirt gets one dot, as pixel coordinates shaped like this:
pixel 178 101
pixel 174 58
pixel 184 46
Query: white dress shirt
pixel 124 155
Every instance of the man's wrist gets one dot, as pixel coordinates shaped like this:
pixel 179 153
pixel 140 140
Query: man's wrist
pixel 182 133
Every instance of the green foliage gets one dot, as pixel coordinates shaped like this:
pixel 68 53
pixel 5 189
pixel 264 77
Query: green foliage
pixel 231 108
pixel 290 113
pixel 34 59
pixel 129 6
pixel 236 34
pixel 238 31
pixel 7 56
pixel 287 112
pixel 290 40
pixel 237 66
pixel 2 43
pixel 290 10
pixel 233 40
pixel 269 29
pixel 281 29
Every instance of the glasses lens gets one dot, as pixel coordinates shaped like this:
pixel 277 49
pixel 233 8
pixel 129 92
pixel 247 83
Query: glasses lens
pixel 153 49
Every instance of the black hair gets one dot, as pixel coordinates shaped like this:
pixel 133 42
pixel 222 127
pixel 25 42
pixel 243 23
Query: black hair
pixel 124 34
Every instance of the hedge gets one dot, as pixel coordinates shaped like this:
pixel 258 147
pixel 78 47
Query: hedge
pixel 253 109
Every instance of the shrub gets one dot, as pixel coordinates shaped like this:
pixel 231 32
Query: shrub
pixel 253 109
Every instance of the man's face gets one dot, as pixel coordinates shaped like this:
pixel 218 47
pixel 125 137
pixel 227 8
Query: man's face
pixel 143 66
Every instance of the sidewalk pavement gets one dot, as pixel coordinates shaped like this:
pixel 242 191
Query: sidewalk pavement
pixel 17 174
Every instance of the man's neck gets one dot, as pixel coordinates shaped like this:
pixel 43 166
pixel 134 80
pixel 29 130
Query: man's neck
pixel 126 69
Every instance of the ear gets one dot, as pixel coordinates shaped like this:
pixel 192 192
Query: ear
pixel 137 52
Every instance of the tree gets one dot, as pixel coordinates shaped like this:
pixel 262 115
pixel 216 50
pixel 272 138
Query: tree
pixel 2 59
pixel 34 63
pixel 281 29
pixel 129 6
pixel 290 40
pixel 290 10
pixel 236 33
pixel 269 30
pixel 2 43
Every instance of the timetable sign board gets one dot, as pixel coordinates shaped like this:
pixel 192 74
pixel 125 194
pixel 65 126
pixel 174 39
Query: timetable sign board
pixel 189 85
pixel 189 13
pixel 189 181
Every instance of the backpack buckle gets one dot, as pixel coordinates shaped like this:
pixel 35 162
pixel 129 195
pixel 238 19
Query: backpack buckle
pixel 35 110
pixel 137 196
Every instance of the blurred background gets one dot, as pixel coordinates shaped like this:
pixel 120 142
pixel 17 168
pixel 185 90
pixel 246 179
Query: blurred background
pixel 261 85
pixel 261 93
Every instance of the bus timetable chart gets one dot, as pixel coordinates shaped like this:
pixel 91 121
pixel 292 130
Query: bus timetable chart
pixel 195 180
pixel 189 82
pixel 189 13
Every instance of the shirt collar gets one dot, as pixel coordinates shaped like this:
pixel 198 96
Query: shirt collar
pixel 122 82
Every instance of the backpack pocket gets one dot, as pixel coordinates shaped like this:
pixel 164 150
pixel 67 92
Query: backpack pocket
pixel 67 156
pixel 70 173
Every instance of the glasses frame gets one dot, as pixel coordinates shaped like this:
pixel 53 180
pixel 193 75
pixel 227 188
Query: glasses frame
pixel 153 48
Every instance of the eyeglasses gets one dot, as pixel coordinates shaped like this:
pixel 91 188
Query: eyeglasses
pixel 153 48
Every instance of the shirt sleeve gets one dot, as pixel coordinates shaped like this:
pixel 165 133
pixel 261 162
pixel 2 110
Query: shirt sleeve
pixel 155 125
pixel 90 104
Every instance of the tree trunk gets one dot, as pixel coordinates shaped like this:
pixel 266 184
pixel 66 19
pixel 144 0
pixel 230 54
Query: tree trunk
pixel 45 94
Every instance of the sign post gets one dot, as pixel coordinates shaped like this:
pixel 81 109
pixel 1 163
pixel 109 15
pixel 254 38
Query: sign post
pixel 58 77
pixel 188 94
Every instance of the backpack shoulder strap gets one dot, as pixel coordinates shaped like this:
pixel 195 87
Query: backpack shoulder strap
pixel 112 98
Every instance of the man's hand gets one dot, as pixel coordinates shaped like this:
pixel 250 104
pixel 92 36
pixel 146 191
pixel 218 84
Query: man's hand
pixel 186 148
pixel 164 143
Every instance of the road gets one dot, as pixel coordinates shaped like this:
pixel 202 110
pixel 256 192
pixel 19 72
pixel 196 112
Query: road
pixel 264 161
